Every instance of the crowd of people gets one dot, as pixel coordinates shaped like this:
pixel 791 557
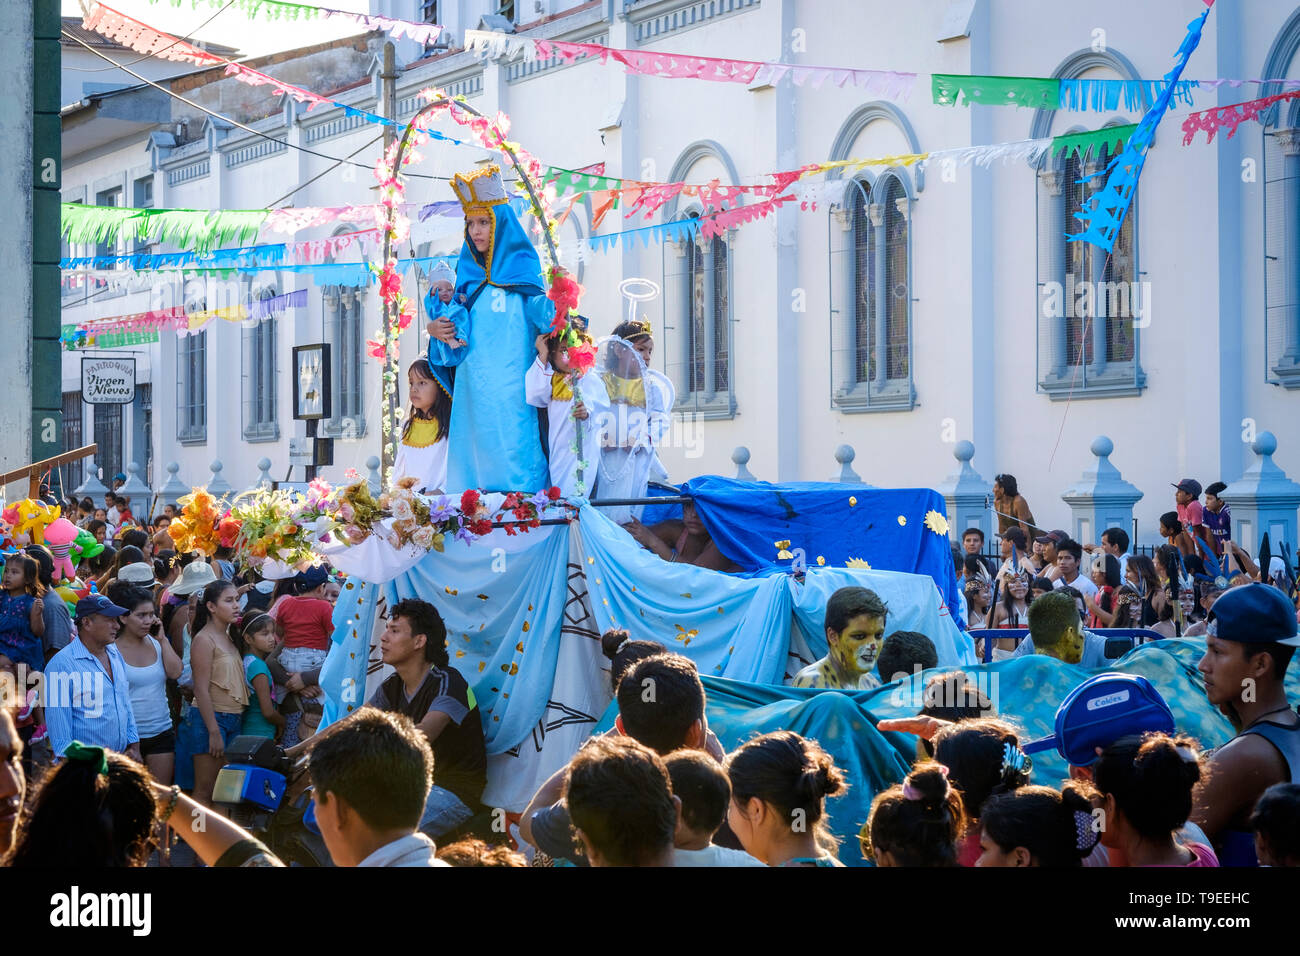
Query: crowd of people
pixel 1169 592
pixel 659 789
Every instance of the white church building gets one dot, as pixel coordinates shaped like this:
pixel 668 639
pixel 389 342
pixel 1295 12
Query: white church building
pixel 923 306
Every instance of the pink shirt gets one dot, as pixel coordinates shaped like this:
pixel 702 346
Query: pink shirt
pixel 1204 856
pixel 1190 514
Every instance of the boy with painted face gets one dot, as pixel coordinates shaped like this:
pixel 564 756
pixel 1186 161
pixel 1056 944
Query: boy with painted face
pixel 1056 630
pixel 855 629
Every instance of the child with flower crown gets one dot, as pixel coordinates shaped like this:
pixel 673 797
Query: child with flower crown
pixel 563 382
pixel 495 443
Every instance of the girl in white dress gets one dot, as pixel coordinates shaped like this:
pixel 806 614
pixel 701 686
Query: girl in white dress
pixel 548 384
pixel 422 453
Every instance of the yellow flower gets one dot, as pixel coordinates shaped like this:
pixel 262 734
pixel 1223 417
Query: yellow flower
pixel 936 522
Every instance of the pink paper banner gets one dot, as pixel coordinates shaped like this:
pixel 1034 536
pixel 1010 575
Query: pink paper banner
pixel 891 83
pixel 1229 117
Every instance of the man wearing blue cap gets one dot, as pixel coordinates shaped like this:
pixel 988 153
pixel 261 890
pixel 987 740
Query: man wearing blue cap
pixel 1250 639
pixel 87 694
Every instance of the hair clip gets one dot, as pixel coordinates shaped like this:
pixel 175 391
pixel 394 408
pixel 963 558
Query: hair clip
pixel 911 793
pixel 1085 838
pixel 87 754
pixel 622 644
pixel 1014 761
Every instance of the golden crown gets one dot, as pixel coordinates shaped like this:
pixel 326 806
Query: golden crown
pixel 480 189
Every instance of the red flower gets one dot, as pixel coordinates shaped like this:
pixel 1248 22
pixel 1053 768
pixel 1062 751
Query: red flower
pixel 553 492
pixel 582 358
pixel 390 283
pixel 481 527
pixel 376 349
pixel 469 501
pixel 510 530
pixel 565 293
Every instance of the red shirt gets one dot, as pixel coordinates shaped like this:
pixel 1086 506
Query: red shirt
pixel 307 622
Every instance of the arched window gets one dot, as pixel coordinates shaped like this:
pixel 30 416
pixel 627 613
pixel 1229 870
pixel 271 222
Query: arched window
pixel 1090 304
pixel 871 314
pixel 259 363
pixel 708 326
pixel 1088 299
pixel 696 341
pixel 1280 174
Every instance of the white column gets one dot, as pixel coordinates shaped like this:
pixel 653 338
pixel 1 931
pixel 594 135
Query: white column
pixel 879 346
pixel 1051 263
pixel 1289 141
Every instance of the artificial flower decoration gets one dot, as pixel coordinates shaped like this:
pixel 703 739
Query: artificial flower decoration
pixel 565 293
pixel 936 522
pixel 195 528
pixel 582 358
pixel 857 563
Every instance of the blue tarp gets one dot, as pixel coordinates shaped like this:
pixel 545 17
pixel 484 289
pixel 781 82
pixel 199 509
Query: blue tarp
pixel 883 526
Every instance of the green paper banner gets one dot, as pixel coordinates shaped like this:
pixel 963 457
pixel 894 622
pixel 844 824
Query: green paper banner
pixel 105 340
pixel 1037 93
pixel 1080 144
pixel 272 9
pixel 198 229
pixel 580 182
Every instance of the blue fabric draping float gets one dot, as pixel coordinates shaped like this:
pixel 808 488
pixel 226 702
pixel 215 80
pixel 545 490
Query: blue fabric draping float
pixel 509 603
pixel 745 518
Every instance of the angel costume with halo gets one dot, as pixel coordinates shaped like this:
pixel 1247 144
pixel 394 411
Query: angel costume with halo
pixel 640 414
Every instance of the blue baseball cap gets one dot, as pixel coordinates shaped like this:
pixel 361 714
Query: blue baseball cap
pixel 98 604
pixel 1099 712
pixel 1255 614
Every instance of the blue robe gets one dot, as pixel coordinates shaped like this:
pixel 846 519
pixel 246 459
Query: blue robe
pixel 495 442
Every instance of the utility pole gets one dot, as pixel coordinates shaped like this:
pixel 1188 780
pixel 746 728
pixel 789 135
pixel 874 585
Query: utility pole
pixel 46 179
pixel 388 407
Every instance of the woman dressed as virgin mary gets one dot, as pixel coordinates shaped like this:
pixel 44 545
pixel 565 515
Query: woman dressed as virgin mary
pixel 495 438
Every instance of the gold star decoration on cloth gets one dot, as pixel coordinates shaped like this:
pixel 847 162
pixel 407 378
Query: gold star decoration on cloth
pixel 857 563
pixel 784 553
pixel 853 502
pixel 936 522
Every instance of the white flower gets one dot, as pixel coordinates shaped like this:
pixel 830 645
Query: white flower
pixel 402 510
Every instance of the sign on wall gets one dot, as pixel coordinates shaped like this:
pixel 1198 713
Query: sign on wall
pixel 107 381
